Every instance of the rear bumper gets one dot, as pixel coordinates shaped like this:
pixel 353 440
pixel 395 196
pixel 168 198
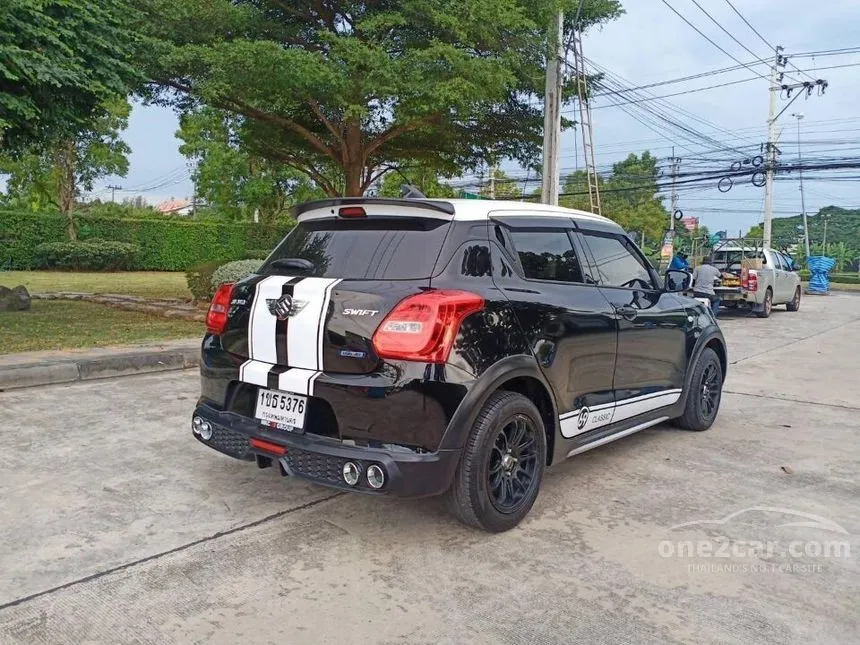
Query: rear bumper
pixel 321 459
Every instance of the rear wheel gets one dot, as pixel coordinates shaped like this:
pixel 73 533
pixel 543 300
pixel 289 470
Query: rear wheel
pixel 794 303
pixel 706 390
pixel 500 472
pixel 767 307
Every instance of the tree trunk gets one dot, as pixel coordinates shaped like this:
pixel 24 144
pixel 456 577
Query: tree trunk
pixel 65 178
pixel 353 164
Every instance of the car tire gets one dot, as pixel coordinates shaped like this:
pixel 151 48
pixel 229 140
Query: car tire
pixel 767 305
pixel 499 476
pixel 794 303
pixel 705 394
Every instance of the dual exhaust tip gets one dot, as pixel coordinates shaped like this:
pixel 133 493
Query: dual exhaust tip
pixel 201 428
pixel 375 475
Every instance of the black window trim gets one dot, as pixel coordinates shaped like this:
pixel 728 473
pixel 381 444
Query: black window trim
pixel 630 246
pixel 537 228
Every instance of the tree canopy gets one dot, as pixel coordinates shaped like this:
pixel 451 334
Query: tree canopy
pixel 59 61
pixel 629 195
pixel 344 90
pixel 234 181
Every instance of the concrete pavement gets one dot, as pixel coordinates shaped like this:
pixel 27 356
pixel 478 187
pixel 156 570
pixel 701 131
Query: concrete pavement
pixel 118 527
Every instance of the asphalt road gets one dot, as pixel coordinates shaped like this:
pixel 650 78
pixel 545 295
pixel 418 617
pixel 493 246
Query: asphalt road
pixel 117 527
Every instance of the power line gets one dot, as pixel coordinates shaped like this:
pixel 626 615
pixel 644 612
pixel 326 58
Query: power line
pixel 702 34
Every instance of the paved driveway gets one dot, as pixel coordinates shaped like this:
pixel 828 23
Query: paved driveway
pixel 117 527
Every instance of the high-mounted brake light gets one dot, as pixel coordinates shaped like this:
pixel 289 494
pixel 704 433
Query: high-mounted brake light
pixel 423 327
pixel 216 317
pixel 352 211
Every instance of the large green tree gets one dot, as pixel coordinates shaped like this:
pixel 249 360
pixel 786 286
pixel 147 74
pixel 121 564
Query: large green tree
pixel 343 90
pixel 629 195
pixel 233 180
pixel 55 175
pixel 60 60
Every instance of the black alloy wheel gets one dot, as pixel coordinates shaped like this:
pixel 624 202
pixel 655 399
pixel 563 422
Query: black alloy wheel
pixel 711 389
pixel 705 393
pixel 499 475
pixel 513 463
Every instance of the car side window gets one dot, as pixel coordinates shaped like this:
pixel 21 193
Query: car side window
pixel 547 255
pixel 778 261
pixel 617 265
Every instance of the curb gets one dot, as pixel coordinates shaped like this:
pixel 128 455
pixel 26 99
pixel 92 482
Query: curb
pixel 108 365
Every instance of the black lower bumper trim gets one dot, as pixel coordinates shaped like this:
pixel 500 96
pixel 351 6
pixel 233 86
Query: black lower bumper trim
pixel 321 459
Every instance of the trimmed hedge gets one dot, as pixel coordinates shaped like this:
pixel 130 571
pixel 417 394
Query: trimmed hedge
pixel 838 278
pixel 92 255
pixel 234 271
pixel 166 244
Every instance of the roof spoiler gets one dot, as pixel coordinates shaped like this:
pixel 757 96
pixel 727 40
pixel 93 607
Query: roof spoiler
pixel 441 207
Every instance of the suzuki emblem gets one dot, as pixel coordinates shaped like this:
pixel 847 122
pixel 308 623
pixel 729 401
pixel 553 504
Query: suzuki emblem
pixel 282 308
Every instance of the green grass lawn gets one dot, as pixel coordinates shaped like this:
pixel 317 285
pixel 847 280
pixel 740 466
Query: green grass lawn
pixel 70 324
pixel 153 284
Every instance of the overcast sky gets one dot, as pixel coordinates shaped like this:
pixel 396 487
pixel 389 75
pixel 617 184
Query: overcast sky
pixel 651 44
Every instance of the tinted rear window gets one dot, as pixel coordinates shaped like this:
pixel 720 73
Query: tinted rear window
pixel 365 249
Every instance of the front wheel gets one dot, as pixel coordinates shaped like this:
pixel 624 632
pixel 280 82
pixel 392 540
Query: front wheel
pixel 794 303
pixel 767 307
pixel 500 472
pixel 706 391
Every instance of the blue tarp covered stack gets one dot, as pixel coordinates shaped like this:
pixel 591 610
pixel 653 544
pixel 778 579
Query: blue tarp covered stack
pixel 819 267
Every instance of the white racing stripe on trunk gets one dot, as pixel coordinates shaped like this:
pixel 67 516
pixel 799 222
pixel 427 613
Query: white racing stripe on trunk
pixel 305 327
pixel 298 381
pixel 255 372
pixel 261 328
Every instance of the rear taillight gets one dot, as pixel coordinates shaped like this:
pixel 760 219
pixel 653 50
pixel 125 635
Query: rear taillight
pixel 423 327
pixel 216 318
pixel 752 281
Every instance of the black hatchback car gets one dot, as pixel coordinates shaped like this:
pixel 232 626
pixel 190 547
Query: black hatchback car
pixel 418 347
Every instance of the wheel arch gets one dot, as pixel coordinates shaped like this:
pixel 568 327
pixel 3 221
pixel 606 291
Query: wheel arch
pixel 519 374
pixel 710 339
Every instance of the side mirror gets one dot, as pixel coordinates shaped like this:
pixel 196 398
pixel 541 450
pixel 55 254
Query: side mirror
pixel 676 280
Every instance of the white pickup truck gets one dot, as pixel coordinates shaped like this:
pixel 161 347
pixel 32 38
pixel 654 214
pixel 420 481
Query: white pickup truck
pixel 764 278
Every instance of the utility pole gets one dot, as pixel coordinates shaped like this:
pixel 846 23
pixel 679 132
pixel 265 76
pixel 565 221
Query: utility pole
pixel 493 181
pixel 552 111
pixel 585 121
pixel 676 167
pixel 799 116
pixel 113 190
pixel 770 154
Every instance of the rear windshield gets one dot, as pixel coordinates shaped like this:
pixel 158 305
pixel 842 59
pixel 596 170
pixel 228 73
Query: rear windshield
pixel 389 248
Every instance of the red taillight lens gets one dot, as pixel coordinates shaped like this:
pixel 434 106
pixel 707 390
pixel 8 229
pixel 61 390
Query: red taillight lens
pixel 216 318
pixel 352 211
pixel 752 281
pixel 423 327
pixel 745 278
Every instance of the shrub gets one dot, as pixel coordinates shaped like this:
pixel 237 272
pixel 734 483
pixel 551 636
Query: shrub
pixel 255 254
pixel 90 255
pixel 199 279
pixel 234 271
pixel 166 243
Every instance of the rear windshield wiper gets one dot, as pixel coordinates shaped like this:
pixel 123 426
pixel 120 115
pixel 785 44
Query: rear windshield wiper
pixel 297 264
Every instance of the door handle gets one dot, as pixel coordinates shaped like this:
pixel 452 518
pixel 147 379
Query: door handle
pixel 626 311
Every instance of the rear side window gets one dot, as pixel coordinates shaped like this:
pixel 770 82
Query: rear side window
pixel 388 248
pixel 617 265
pixel 547 255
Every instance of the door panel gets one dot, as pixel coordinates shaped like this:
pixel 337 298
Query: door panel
pixel 652 325
pixel 569 326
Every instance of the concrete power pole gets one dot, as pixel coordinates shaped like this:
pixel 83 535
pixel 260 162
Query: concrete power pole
pixel 552 112
pixel 799 116
pixel 113 190
pixel 493 182
pixel 770 155
pixel 676 167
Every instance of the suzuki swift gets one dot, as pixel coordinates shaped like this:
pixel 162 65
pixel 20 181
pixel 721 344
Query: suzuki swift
pixel 418 347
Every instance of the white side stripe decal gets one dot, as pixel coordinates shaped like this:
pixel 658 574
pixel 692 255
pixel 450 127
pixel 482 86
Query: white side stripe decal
pixel 585 419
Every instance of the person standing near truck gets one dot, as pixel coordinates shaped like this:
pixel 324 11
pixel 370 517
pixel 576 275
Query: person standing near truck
pixel 679 262
pixel 704 277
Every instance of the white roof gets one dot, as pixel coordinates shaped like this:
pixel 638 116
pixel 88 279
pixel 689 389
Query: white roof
pixel 464 209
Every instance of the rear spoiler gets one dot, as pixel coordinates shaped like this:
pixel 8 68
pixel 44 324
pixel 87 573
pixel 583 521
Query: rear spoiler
pixel 427 204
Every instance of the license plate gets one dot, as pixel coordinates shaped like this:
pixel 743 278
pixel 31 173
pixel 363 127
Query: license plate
pixel 283 410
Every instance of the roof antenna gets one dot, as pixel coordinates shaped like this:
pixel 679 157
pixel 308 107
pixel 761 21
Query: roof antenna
pixel 411 192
